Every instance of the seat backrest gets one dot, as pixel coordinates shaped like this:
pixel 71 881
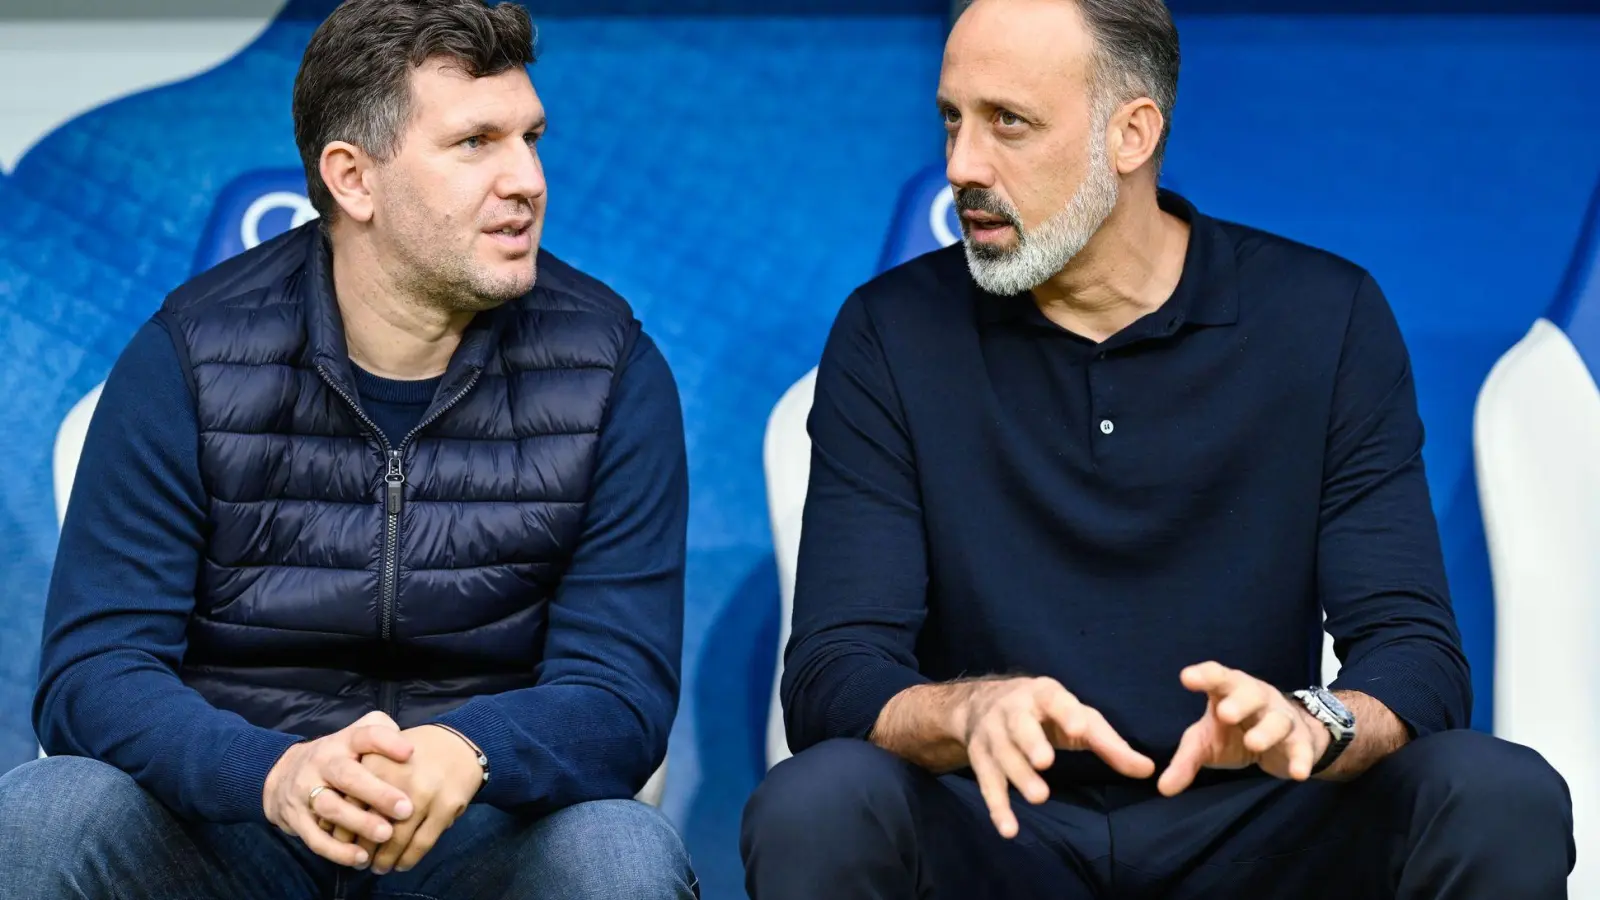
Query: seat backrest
pixel 924 219
pixel 1536 443
pixel 786 452
pixel 255 207
pixel 1536 439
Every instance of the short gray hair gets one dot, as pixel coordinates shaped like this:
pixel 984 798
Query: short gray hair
pixel 1136 55
pixel 354 82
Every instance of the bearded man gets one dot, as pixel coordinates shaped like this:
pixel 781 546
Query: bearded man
pixel 1082 491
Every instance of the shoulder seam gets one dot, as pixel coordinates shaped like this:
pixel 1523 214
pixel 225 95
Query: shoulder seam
pixel 169 323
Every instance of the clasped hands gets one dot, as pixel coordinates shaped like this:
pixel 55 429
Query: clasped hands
pixel 1012 729
pixel 389 794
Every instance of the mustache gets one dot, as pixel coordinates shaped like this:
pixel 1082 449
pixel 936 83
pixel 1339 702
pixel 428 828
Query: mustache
pixel 986 201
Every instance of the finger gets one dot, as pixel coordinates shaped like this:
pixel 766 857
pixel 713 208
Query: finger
pixel 1270 731
pixel 355 781
pixel 1017 768
pixel 1241 699
pixel 1101 738
pixel 341 833
pixel 1206 676
pixel 389 851
pixel 1186 763
pixel 992 784
pixel 381 740
pixel 334 809
pixel 1028 735
pixel 370 848
pixel 427 835
pixel 1301 755
pixel 323 844
pixel 1067 714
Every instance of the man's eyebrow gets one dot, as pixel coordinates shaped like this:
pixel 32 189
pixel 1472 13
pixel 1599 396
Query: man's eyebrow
pixel 485 126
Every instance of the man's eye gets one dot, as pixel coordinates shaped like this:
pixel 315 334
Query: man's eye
pixel 951 117
pixel 474 142
pixel 1009 120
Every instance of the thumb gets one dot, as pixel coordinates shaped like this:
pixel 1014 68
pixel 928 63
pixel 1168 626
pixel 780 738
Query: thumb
pixel 376 717
pixel 1192 754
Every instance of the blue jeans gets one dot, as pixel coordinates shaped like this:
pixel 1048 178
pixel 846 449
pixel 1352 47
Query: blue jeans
pixel 76 828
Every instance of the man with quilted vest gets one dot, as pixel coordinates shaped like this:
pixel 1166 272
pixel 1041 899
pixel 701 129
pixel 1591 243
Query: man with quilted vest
pixel 372 580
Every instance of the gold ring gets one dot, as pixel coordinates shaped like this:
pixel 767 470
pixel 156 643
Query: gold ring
pixel 314 792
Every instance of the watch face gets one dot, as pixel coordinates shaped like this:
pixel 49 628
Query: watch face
pixel 1336 709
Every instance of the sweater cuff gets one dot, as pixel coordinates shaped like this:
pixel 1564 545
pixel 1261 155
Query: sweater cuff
pixel 856 705
pixel 242 778
pixel 486 726
pixel 1413 697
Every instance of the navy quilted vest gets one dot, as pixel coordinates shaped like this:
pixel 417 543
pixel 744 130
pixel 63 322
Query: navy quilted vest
pixel 343 575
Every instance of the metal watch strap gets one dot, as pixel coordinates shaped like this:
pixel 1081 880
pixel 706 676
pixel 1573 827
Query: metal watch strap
pixel 1327 709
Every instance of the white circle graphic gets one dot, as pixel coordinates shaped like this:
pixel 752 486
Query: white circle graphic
pixel 250 225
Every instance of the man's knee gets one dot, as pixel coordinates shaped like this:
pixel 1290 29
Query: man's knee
pixel 1488 773
pixel 838 792
pixel 63 819
pixel 1492 783
pixel 67 800
pixel 610 848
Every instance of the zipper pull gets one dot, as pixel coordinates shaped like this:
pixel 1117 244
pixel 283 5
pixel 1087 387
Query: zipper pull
pixel 395 481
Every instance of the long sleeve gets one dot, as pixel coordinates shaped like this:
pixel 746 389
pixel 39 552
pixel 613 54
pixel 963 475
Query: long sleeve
pixel 595 724
pixel 1380 572
pixel 861 585
pixel 120 600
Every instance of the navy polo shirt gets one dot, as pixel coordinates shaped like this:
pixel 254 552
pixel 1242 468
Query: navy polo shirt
pixel 991 494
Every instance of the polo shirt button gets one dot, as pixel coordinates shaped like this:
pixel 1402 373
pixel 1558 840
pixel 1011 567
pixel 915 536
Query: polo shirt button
pixel 1106 427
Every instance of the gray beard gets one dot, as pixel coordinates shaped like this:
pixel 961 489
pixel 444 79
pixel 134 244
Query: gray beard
pixel 1047 248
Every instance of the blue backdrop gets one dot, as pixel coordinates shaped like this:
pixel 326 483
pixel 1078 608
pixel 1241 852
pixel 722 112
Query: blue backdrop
pixel 735 176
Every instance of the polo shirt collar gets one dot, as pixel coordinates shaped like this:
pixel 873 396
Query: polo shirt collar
pixel 1207 292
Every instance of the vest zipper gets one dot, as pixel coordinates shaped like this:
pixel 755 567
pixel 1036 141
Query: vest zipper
pixel 394 488
pixel 386 698
pixel 393 500
pixel 394 478
pixel 444 408
pixel 395 483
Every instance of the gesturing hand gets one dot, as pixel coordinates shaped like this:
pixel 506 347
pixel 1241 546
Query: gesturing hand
pixel 1246 722
pixel 1012 728
pixel 333 764
pixel 441 778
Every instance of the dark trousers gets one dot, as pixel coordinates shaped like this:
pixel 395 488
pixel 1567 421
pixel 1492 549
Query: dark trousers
pixel 1454 815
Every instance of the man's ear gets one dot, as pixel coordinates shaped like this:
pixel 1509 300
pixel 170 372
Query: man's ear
pixel 345 169
pixel 1134 133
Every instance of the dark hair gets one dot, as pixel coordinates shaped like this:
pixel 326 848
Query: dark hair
pixel 354 82
pixel 1136 55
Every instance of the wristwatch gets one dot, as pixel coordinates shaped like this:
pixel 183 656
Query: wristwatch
pixel 1330 712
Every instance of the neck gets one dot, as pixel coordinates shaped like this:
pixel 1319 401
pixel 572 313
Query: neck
pixel 389 332
pixel 1128 270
